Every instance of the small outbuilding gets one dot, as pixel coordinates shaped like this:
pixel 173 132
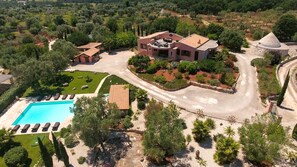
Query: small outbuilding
pixel 119 94
pixel 270 43
pixel 89 53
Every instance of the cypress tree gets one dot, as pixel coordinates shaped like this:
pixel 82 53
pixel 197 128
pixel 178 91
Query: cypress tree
pixel 46 157
pixel 64 154
pixel 56 146
pixel 284 88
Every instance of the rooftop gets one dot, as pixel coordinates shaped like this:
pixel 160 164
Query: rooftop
pixel 90 52
pixel 154 35
pixel 119 94
pixel 194 40
pixel 89 45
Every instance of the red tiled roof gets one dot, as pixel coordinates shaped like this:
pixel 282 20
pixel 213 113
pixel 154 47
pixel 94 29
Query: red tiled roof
pixel 89 45
pixel 194 40
pixel 119 94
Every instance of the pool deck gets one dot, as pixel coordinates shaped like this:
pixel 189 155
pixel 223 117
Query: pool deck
pixel 16 108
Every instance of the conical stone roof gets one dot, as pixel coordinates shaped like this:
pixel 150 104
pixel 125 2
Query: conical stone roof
pixel 270 41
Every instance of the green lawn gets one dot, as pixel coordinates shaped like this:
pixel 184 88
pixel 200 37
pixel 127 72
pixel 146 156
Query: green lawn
pixel 26 141
pixel 111 80
pixel 75 79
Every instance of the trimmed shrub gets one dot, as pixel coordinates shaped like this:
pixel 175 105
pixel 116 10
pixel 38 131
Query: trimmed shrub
pixel 65 132
pixel 210 123
pixel 160 79
pixel 200 79
pixel 191 68
pixel 127 122
pixel 152 69
pixel 182 67
pixel 214 82
pixel 9 96
pixel 228 79
pixel 218 136
pixel 259 62
pixel 206 65
pixel 161 64
pixel 294 133
pixel 178 75
pixel 16 157
pixel 81 160
pixel 70 141
pixel 141 105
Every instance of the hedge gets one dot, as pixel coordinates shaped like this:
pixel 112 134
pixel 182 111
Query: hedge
pixel 8 96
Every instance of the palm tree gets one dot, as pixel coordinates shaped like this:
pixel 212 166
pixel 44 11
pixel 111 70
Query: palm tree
pixel 229 131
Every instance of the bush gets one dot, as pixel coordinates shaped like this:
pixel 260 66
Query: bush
pixel 206 65
pixel 232 57
pixel 236 69
pixel 9 96
pixel 127 122
pixel 218 136
pixel 178 75
pixel 259 62
pixel 160 79
pixel 140 62
pixel 210 123
pixel 81 160
pixel 228 79
pixel 191 68
pixel 200 78
pixel 229 63
pixel 176 84
pixel 214 82
pixel 152 69
pixel 16 157
pixel 141 105
pixel 294 133
pixel 182 67
pixel 161 64
pixel 65 132
pixel 70 141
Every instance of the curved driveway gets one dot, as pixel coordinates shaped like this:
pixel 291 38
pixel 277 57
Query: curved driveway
pixel 243 104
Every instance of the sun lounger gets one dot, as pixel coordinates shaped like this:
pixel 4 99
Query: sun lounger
pixel 15 128
pixel 39 98
pixel 46 126
pixel 57 96
pixel 64 96
pixel 48 97
pixel 72 96
pixel 25 128
pixel 36 127
pixel 56 126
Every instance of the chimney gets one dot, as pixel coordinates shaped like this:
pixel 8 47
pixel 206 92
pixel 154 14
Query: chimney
pixel 199 41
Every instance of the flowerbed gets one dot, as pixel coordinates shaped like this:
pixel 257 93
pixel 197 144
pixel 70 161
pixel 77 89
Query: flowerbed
pixel 218 73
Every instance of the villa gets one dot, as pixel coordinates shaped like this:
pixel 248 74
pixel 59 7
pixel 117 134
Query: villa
pixel 175 47
pixel 5 82
pixel 89 53
pixel 119 94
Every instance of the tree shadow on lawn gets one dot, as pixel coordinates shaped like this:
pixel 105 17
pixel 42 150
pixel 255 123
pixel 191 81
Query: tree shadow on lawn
pixel 116 147
pixel 61 79
pixel 207 143
pixel 43 91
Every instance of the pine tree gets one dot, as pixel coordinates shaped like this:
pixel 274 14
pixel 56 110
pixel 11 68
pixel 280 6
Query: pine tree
pixel 64 154
pixel 56 146
pixel 46 157
pixel 284 88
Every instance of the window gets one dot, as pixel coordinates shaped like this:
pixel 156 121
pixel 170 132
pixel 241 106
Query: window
pixel 178 51
pixel 143 46
pixel 185 53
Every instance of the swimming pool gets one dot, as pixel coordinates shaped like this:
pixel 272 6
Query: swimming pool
pixel 42 112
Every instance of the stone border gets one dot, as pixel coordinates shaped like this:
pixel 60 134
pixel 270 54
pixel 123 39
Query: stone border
pixel 231 90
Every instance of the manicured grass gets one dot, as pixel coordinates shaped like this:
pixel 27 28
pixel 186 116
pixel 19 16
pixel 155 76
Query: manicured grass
pixel 111 80
pixel 75 79
pixel 26 141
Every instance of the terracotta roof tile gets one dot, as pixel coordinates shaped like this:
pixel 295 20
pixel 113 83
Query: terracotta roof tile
pixel 89 45
pixel 194 40
pixel 90 52
pixel 119 94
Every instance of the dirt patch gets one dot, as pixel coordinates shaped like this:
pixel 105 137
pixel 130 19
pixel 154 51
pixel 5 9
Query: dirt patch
pixel 134 154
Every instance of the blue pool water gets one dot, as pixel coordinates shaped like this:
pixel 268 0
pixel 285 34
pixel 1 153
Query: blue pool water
pixel 42 112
